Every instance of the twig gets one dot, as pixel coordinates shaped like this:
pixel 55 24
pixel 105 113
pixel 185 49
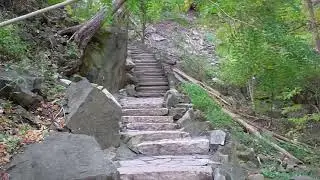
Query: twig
pixel 20 18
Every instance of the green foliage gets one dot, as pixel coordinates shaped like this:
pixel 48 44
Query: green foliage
pixel 267 40
pixel 202 101
pixel 292 108
pixel 11 45
pixel 303 120
pixel 52 2
pixel 198 67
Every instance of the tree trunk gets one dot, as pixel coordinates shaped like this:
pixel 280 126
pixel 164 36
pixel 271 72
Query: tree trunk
pixel 313 24
pixel 143 18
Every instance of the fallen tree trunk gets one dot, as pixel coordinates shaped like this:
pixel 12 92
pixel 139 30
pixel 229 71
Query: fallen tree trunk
pixel 251 129
pixel 206 87
pixel 87 31
pixel 77 28
pixel 20 18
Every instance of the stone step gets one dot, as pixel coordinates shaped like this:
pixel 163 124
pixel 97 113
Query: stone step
pixel 152 126
pixel 147 119
pixel 154 135
pixel 156 88
pixel 141 77
pixel 150 94
pixel 145 61
pixel 146 64
pixel 141 71
pixel 153 79
pixel 134 103
pixel 152 83
pixel 168 160
pixel 183 146
pixel 166 173
pixel 145 112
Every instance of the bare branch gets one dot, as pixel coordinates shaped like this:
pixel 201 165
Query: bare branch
pixel 20 18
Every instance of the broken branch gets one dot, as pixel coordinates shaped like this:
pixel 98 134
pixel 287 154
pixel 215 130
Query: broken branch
pixel 20 18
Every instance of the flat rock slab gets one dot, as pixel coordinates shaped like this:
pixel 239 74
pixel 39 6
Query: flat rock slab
pixel 147 119
pixel 166 173
pixel 217 137
pixel 135 103
pixel 145 112
pixel 63 156
pixel 160 161
pixel 140 136
pixel 172 147
pixel 152 126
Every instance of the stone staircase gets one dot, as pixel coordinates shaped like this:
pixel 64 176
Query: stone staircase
pixel 165 151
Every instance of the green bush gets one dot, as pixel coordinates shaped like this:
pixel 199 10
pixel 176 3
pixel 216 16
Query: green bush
pixel 198 67
pixel 11 45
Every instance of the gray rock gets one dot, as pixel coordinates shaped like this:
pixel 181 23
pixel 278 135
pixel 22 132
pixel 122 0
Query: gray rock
pixel 217 137
pixel 171 98
pixel 301 178
pixel 93 112
pixel 193 123
pixel 129 64
pixel 65 82
pixel 131 90
pixel 131 79
pixel 256 177
pixel 20 87
pixel 157 37
pixel 177 113
pixel 63 156
pixel 104 59
pixel 217 175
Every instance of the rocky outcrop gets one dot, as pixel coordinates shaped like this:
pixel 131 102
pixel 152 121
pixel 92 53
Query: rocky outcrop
pixel 22 88
pixel 63 156
pixel 104 60
pixel 93 112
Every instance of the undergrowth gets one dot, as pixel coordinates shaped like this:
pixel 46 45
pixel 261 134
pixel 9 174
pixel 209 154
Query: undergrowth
pixel 11 45
pixel 270 168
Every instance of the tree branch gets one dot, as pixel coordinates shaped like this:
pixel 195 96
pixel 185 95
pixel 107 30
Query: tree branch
pixel 20 18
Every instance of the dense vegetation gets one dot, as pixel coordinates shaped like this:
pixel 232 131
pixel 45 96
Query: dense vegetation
pixel 268 47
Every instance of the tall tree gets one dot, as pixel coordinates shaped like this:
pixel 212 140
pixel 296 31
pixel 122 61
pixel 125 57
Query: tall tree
pixel 313 23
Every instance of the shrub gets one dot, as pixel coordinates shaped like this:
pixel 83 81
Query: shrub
pixel 11 46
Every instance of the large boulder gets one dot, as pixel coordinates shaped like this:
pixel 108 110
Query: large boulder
pixel 104 60
pixel 63 156
pixel 93 112
pixel 20 87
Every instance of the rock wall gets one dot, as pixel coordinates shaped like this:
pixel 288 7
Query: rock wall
pixel 105 58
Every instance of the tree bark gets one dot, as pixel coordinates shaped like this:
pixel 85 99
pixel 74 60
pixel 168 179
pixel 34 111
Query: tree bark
pixel 313 23
pixel 20 18
pixel 143 18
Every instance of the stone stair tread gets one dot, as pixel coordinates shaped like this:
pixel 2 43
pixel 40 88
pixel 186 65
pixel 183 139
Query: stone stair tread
pixel 147 102
pixel 166 173
pixel 145 112
pixel 154 135
pixel 183 146
pixel 150 94
pixel 167 160
pixel 151 82
pixel 149 73
pixel 147 119
pixel 152 126
pixel 152 88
